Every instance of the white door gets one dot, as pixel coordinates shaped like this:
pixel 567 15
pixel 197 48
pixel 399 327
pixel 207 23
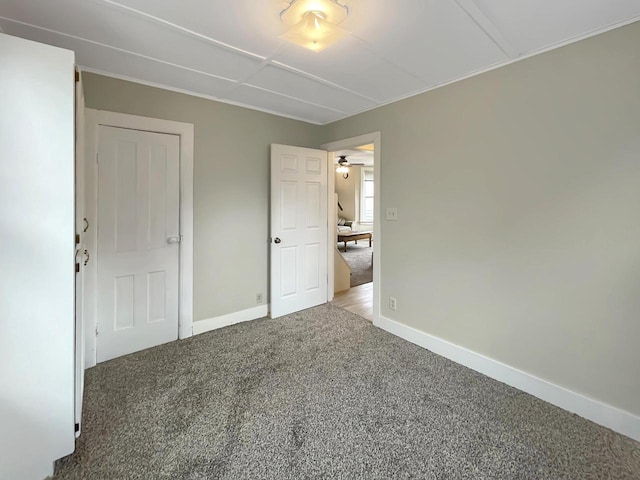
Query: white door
pixel 36 257
pixel 298 228
pixel 138 240
pixel 80 255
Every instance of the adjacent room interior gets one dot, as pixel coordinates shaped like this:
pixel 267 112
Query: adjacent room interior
pixel 355 193
pixel 181 192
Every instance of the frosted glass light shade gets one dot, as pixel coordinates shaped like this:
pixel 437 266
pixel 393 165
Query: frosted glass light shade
pixel 342 169
pixel 331 10
pixel 314 32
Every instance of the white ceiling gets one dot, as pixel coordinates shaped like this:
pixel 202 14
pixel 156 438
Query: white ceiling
pixel 230 50
pixel 355 156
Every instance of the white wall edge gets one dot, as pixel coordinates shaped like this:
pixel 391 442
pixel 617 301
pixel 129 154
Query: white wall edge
pixel 202 326
pixel 601 413
pixel 40 470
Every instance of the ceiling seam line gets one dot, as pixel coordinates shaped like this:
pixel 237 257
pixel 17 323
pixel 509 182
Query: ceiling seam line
pixel 476 72
pixel 196 94
pixel 122 50
pixel 234 85
pixel 294 98
pixel 263 60
pixel 263 63
pixel 269 61
pixel 497 65
pixel 182 29
pixel 326 82
pixel 487 26
pixel 370 49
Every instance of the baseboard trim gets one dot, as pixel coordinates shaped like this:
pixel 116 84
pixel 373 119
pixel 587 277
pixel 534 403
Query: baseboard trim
pixel 601 413
pixel 202 326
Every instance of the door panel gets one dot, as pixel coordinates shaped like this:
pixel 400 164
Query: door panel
pixel 124 305
pixel 312 257
pixel 299 220
pixel 138 213
pixel 289 265
pixel 314 205
pixel 288 204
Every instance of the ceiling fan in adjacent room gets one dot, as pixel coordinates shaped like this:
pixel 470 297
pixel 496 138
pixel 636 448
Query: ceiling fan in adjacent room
pixel 344 164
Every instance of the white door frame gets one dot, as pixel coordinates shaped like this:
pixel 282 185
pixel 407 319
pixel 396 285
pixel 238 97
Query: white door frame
pixel 95 119
pixel 347 143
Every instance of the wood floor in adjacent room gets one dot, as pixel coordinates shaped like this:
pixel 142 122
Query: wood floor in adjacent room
pixel 358 300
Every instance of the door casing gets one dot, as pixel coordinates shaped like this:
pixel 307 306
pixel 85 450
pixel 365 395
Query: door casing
pixel 94 119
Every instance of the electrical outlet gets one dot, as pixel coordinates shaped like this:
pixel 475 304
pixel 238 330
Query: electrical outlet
pixel 393 303
pixel 258 298
pixel 392 214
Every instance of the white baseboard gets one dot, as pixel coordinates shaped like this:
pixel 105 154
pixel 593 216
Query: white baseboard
pixel 202 326
pixel 601 413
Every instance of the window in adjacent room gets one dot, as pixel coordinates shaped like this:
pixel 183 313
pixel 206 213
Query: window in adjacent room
pixel 366 196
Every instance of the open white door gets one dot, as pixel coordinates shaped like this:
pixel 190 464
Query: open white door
pixel 298 229
pixel 138 240
pixel 80 255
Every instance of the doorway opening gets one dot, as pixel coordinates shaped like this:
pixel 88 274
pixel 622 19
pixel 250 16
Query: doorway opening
pixel 356 223
pixel 355 194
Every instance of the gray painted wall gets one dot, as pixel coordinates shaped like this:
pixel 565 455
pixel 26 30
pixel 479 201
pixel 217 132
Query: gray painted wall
pixel 231 184
pixel 519 192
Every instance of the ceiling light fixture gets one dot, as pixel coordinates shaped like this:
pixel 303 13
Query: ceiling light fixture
pixel 344 170
pixel 344 164
pixel 313 24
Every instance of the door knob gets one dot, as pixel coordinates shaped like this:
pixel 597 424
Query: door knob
pixel 175 239
pixel 277 240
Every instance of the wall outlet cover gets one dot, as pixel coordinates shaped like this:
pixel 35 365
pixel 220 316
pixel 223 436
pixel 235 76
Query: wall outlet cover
pixel 393 303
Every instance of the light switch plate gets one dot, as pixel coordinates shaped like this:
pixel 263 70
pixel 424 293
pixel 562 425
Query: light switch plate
pixel 392 214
